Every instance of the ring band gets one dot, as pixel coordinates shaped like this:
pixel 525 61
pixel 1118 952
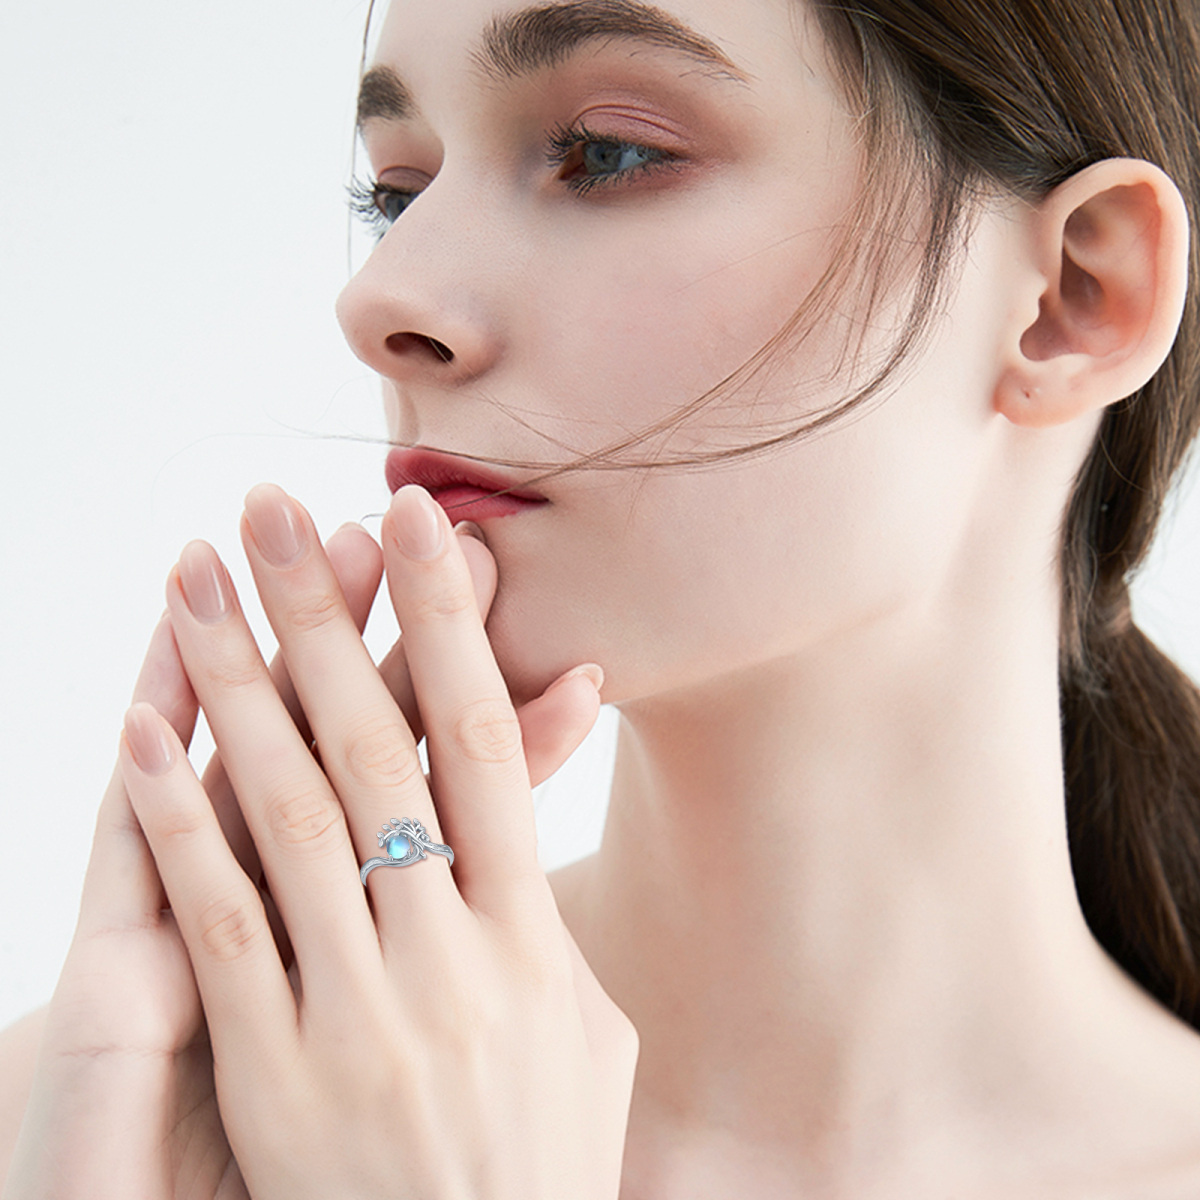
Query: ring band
pixel 405 842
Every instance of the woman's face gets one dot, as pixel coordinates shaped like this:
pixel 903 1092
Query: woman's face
pixel 585 299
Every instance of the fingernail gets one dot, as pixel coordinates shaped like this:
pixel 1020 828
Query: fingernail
pixel 351 525
pixel 276 525
pixel 593 671
pixel 147 741
pixel 204 584
pixel 418 523
pixel 471 530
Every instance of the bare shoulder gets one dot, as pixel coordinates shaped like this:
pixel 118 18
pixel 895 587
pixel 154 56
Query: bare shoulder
pixel 1172 1105
pixel 18 1055
pixel 1136 1135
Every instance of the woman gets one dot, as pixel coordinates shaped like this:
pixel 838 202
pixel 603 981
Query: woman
pixel 861 606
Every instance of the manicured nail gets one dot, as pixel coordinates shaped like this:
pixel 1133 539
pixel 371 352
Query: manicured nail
pixel 204 583
pixel 418 523
pixel 276 525
pixel 147 740
pixel 471 530
pixel 593 671
pixel 350 525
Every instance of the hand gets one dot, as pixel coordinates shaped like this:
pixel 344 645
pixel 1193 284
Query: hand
pixel 454 1042
pixel 122 1101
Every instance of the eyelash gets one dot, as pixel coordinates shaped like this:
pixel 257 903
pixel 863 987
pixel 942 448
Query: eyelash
pixel 367 198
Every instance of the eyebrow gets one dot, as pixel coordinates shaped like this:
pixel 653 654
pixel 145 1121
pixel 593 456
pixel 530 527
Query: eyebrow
pixel 520 43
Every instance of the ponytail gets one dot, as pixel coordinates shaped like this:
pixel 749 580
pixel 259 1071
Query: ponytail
pixel 1130 716
pixel 1131 746
pixel 1022 96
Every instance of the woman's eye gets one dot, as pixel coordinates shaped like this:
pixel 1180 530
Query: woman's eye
pixel 377 204
pixel 594 160
pixel 590 161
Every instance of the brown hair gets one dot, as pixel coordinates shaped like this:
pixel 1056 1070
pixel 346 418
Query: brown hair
pixel 1024 94
pixel 958 97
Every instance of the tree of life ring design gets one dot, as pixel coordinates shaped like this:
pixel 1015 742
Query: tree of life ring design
pixel 405 842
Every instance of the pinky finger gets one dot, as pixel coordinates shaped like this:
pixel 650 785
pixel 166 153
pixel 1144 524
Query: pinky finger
pixel 246 995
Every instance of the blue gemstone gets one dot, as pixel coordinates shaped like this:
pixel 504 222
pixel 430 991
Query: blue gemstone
pixel 396 845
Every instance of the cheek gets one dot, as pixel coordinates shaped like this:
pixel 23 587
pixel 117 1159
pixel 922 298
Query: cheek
pixel 625 333
pixel 667 579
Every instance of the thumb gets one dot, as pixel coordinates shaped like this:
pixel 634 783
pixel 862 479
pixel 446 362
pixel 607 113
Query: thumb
pixel 554 724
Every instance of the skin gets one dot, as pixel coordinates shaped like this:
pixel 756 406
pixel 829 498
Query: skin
pixel 148 1075
pixel 834 893
pixel 833 900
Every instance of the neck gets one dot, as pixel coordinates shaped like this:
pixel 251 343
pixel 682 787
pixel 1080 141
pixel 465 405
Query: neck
pixel 834 895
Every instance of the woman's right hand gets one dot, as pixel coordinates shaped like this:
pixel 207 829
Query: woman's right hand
pixel 123 1101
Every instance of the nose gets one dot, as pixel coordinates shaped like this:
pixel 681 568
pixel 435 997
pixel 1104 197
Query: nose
pixel 416 309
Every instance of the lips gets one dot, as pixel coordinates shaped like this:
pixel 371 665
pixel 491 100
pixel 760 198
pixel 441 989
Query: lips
pixel 460 487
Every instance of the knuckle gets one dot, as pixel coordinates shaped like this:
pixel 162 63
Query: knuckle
pixel 444 599
pixel 314 612
pixel 229 928
pixel 236 672
pixel 181 825
pixel 303 817
pixel 374 753
pixel 488 731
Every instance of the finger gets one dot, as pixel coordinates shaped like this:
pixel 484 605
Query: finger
pixel 122 888
pixel 552 725
pixel 292 812
pixel 555 723
pixel 357 562
pixel 394 668
pixel 367 749
pixel 480 562
pixel 477 765
pixel 216 907
pixel 162 680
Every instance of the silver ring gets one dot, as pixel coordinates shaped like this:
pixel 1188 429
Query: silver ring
pixel 405 842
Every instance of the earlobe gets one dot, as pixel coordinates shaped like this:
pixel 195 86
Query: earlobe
pixel 1109 251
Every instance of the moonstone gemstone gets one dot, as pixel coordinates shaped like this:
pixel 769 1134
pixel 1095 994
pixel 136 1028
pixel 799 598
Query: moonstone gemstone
pixel 396 845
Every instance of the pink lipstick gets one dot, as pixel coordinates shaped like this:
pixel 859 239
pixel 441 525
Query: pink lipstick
pixel 463 488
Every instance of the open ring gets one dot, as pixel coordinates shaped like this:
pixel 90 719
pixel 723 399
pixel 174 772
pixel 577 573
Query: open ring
pixel 405 842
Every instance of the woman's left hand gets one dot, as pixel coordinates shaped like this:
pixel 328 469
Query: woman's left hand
pixel 451 1044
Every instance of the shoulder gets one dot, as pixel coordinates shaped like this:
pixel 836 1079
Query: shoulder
pixel 1139 1119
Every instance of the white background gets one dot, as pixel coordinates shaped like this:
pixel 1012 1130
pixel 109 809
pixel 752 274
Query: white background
pixel 173 233
pixel 172 237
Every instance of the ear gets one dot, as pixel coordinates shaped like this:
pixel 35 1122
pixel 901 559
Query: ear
pixel 1107 279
